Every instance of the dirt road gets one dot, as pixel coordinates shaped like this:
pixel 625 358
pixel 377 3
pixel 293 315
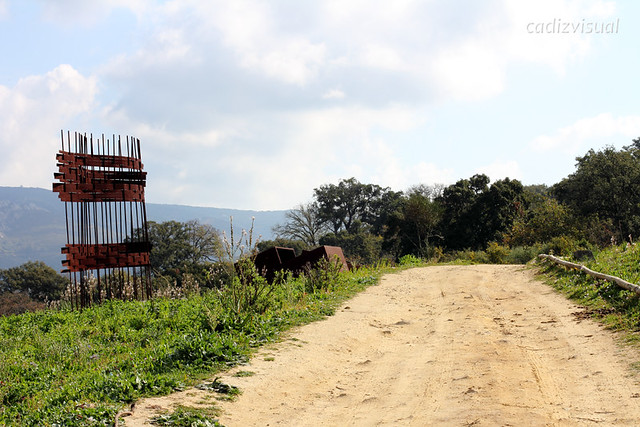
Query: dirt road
pixel 447 345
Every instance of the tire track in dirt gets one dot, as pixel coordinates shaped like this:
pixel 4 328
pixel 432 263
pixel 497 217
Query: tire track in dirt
pixel 444 345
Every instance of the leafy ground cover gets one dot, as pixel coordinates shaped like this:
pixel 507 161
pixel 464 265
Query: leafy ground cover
pixel 617 308
pixel 62 367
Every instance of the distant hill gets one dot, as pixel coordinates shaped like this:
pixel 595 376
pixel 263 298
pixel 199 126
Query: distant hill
pixel 32 226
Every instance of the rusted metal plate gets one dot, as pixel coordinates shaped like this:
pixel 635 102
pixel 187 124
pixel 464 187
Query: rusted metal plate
pixel 273 259
pixel 278 258
pixel 309 259
pixel 91 257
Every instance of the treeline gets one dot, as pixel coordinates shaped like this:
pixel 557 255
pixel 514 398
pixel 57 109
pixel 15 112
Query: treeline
pixel 596 205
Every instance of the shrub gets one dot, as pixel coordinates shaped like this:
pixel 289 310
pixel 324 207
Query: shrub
pixel 467 256
pixel 248 292
pixel 410 261
pixel 496 253
pixel 322 276
pixel 522 254
pixel 565 246
pixel 18 303
pixel 436 254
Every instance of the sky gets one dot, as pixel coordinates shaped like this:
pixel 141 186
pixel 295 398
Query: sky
pixel 252 104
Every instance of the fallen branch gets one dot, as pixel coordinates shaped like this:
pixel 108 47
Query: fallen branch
pixel 618 281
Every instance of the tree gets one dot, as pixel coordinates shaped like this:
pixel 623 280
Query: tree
pixel 361 246
pixel 350 205
pixel 605 185
pixel 542 222
pixel 476 213
pixel 182 247
pixel 461 213
pixel 499 207
pixel 297 245
pixel 411 229
pixel 35 279
pixel 304 224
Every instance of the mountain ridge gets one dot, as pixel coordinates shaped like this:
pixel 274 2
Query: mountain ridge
pixel 32 223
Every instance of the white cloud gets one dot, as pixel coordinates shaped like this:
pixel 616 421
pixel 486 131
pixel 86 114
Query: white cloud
pixel 230 97
pixel 475 66
pixel 389 52
pixel 382 57
pixel 164 49
pixel 274 160
pixel 31 116
pixel 4 10
pixel 250 30
pixel 296 61
pixel 390 171
pixel 501 169
pixel 331 144
pixel 88 13
pixel 602 129
pixel 470 72
pixel 333 94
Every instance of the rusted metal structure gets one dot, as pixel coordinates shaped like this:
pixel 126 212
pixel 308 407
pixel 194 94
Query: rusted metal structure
pixel 274 259
pixel 102 185
pixel 309 259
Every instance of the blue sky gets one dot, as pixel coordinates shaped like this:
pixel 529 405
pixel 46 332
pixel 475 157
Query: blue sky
pixel 253 104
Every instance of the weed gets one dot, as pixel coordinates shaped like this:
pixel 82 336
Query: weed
pixel 245 293
pixel 324 274
pixel 185 416
pixel 411 261
pixel 241 374
pixel 230 392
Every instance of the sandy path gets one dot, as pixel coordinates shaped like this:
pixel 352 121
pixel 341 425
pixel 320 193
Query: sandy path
pixel 446 345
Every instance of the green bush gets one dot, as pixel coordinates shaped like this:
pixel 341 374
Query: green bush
pixel 248 292
pixel 560 246
pixel 522 254
pixel 467 256
pixel 496 253
pixel 322 276
pixel 410 261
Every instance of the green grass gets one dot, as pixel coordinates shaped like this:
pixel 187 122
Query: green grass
pixel 617 308
pixel 185 416
pixel 82 367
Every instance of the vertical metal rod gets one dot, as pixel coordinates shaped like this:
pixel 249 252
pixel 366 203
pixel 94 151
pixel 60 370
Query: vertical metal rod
pixel 120 228
pixel 110 235
pixel 130 221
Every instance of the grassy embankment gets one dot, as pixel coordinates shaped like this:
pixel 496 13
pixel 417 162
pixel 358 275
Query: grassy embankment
pixel 81 367
pixel 617 308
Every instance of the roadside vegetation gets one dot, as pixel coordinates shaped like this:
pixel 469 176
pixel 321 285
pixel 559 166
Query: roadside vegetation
pixel 617 308
pixel 63 367
pixel 211 308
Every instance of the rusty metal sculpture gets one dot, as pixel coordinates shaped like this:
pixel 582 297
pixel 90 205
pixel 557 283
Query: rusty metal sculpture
pixel 273 259
pixel 277 258
pixel 102 185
